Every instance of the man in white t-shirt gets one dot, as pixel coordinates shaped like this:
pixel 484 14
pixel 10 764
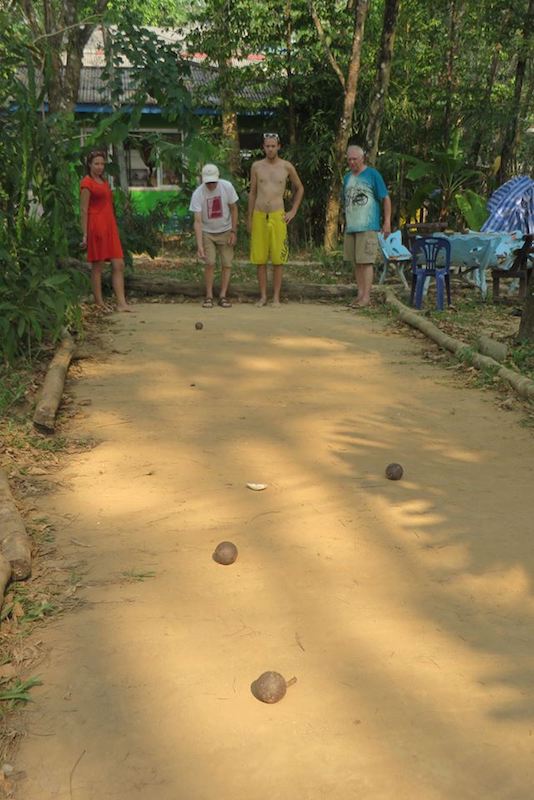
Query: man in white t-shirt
pixel 214 204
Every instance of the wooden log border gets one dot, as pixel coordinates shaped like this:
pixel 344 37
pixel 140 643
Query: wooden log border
pixel 141 284
pixel 15 544
pixel 44 417
pixel 158 284
pixel 519 383
pixel 5 577
pixel 490 347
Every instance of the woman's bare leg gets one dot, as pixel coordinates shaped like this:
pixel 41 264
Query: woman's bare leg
pixel 117 281
pixel 96 282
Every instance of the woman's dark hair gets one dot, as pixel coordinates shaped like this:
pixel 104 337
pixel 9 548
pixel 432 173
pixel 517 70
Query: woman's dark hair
pixel 91 155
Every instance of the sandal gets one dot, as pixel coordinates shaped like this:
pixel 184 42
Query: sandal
pixel 224 302
pixel 208 302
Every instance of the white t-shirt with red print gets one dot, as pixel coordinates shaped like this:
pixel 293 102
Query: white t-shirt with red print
pixel 214 206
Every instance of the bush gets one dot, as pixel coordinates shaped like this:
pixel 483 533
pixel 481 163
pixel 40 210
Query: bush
pixel 37 222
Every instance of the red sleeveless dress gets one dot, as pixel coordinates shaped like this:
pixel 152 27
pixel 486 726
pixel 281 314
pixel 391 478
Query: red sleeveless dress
pixel 103 242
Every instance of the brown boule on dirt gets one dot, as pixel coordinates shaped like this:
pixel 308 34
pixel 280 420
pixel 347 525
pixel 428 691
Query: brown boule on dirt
pixel 225 553
pixel 270 687
pixel 199 325
pixel 394 472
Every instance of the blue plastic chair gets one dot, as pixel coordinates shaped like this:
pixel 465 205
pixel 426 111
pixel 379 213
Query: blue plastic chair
pixel 431 258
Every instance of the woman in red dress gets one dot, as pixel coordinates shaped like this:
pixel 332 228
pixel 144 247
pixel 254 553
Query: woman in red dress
pixel 99 228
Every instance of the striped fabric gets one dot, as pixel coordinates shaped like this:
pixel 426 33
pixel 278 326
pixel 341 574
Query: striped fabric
pixel 511 207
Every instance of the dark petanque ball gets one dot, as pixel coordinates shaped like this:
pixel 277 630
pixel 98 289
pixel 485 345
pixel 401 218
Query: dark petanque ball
pixel 225 553
pixel 394 472
pixel 199 325
pixel 270 687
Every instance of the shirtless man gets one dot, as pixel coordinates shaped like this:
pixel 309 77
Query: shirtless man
pixel 267 218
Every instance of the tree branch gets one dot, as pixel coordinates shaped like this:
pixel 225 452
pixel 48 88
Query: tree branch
pixel 322 37
pixel 28 11
pixel 92 20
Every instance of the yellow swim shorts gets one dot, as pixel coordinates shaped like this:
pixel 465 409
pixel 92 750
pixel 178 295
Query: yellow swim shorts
pixel 268 239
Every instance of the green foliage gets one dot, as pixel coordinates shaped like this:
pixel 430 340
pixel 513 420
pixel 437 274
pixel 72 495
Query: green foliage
pixel 439 180
pixel 165 13
pixel 424 106
pixel 17 692
pixel 13 386
pixel 522 357
pixel 136 575
pixel 142 232
pixel 37 223
pixel 157 69
pixel 473 208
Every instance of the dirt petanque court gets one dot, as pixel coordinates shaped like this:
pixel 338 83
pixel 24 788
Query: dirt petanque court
pixel 404 609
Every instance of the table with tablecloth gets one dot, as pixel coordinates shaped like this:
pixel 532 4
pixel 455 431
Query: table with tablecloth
pixel 476 252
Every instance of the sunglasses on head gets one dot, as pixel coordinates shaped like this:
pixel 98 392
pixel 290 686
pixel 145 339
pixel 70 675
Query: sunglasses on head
pixel 271 136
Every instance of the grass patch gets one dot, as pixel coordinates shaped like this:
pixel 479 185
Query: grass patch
pixel 17 693
pixel 137 575
pixel 50 444
pixel 522 357
pixel 23 606
pixel 465 355
pixel 14 385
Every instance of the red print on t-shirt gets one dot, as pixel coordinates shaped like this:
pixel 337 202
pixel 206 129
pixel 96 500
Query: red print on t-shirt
pixel 215 210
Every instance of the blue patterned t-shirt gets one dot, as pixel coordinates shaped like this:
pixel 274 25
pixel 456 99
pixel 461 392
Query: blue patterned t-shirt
pixel 362 200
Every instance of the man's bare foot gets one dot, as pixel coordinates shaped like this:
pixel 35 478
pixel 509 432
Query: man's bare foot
pixel 276 303
pixel 261 302
pixel 124 308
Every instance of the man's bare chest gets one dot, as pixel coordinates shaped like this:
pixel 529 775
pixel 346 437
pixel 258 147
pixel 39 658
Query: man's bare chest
pixel 271 179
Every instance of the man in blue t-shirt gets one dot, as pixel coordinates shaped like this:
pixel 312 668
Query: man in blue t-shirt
pixel 365 202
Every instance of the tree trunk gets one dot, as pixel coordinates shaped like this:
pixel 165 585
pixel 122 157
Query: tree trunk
pixel 292 121
pixel 230 130
pixel 383 73
pixel 452 54
pixel 526 327
pixel 512 135
pixel 345 126
pixel 480 123
pixel 119 154
pixel 231 134
pixel 65 35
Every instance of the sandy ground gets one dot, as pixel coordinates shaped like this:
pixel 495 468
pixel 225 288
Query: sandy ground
pixel 404 609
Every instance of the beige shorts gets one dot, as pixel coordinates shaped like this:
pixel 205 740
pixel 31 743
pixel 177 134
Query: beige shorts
pixel 214 243
pixel 361 248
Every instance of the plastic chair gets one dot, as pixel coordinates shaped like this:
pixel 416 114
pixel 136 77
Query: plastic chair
pixel 425 253
pixel 395 254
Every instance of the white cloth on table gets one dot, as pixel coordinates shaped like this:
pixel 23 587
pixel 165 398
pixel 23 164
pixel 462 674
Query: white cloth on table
pixel 479 251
